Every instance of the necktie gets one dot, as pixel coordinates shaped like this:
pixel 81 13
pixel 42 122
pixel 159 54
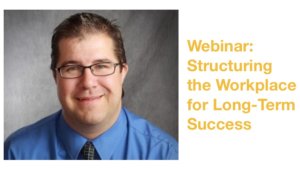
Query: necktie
pixel 88 151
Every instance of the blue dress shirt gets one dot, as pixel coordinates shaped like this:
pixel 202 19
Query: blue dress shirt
pixel 131 137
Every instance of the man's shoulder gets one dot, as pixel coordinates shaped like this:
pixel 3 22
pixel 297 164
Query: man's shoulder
pixel 150 134
pixel 33 131
pixel 146 128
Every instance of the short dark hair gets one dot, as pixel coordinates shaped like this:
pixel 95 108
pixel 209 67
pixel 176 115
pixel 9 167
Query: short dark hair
pixel 78 25
pixel 81 23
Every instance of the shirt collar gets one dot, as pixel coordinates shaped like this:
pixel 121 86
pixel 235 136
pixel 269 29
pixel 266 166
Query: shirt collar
pixel 105 144
pixel 71 140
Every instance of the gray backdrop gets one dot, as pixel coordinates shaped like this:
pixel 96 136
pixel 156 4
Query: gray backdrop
pixel 151 44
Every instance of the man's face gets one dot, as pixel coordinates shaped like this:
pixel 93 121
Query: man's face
pixel 89 99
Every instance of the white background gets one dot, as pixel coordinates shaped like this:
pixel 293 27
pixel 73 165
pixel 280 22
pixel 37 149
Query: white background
pixel 273 28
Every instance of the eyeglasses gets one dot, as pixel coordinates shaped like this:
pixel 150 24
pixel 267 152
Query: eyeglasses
pixel 98 69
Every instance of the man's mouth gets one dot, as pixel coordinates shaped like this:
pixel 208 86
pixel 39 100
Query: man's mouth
pixel 89 98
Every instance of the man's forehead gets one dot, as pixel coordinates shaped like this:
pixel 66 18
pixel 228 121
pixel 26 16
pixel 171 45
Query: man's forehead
pixel 86 36
pixel 90 51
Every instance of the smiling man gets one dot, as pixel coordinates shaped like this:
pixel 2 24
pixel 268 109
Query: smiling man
pixel 89 67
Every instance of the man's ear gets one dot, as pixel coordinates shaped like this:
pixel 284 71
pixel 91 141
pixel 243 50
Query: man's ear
pixel 124 71
pixel 54 75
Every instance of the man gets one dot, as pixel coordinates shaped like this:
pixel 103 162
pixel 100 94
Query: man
pixel 89 67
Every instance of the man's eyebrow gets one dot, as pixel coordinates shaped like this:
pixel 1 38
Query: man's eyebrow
pixel 102 61
pixel 73 62
pixel 70 62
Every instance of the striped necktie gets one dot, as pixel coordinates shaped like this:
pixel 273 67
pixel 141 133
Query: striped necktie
pixel 88 151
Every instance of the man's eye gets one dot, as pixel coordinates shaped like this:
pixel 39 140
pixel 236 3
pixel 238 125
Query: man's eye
pixel 101 66
pixel 72 68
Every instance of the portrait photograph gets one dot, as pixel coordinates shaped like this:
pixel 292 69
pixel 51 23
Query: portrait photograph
pixel 91 85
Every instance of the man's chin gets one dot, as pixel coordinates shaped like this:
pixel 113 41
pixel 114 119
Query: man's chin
pixel 91 121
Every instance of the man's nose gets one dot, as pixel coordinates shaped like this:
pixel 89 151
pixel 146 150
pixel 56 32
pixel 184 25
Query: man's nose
pixel 88 79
